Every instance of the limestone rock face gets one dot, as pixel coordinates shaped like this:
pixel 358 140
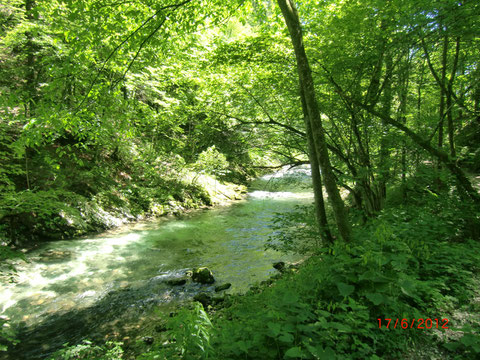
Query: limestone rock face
pixel 203 275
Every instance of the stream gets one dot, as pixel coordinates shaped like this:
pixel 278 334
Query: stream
pixel 108 283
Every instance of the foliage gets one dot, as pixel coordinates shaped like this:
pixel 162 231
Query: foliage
pixel 87 350
pixel 211 162
pixel 295 231
pixel 7 335
pixel 400 266
pixel 189 336
pixel 107 106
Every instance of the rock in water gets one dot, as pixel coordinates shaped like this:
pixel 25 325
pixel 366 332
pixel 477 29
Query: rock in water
pixel 55 255
pixel 223 287
pixel 176 282
pixel 203 298
pixel 203 276
pixel 280 266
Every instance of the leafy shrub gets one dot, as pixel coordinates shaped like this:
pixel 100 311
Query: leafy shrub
pixel 211 162
pixel 87 350
pixel 188 334
pixel 7 335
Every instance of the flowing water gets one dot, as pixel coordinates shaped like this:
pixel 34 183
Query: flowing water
pixel 89 287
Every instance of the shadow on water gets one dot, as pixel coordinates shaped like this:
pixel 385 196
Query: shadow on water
pixel 118 314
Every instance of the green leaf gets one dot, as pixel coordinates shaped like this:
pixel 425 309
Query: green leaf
pixel 408 287
pixel 275 328
pixel 294 352
pixel 470 340
pixel 375 298
pixel 345 289
pixel 287 338
pixel 329 354
pixel 340 327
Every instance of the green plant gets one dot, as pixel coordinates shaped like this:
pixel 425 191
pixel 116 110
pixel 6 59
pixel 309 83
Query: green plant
pixel 6 334
pixel 87 350
pixel 404 264
pixel 211 162
pixel 189 336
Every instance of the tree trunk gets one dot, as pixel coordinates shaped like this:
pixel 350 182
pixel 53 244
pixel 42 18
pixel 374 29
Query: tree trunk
pixel 313 115
pixel 402 110
pixel 462 181
pixel 384 167
pixel 30 86
pixel 450 102
pixel 442 93
pixel 320 212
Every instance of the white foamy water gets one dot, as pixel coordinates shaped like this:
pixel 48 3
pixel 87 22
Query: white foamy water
pixel 278 195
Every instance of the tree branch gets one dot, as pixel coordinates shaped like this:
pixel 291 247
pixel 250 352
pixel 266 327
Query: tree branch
pixel 174 6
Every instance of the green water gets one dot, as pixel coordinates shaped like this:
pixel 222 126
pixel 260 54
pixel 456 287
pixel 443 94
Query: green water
pixel 91 284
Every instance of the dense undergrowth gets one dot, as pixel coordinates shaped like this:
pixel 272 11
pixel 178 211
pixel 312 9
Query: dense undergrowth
pixel 330 308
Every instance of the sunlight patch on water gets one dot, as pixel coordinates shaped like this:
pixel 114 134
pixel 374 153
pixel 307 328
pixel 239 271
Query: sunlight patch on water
pixel 6 299
pixel 35 281
pixel 122 240
pixel 115 240
pixel 176 225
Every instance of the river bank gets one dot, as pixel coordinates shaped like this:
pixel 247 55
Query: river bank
pixel 79 216
pixel 107 286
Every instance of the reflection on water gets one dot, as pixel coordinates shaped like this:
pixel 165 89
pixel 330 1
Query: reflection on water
pixel 71 289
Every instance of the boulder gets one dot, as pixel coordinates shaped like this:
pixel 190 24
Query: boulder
pixel 223 287
pixel 279 265
pixel 203 276
pixel 203 298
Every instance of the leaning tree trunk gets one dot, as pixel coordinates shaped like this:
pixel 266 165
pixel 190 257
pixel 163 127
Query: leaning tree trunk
pixel 313 115
pixel 320 212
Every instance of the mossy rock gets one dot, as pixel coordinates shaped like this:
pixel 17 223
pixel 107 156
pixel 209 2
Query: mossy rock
pixel 203 275
pixel 223 287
